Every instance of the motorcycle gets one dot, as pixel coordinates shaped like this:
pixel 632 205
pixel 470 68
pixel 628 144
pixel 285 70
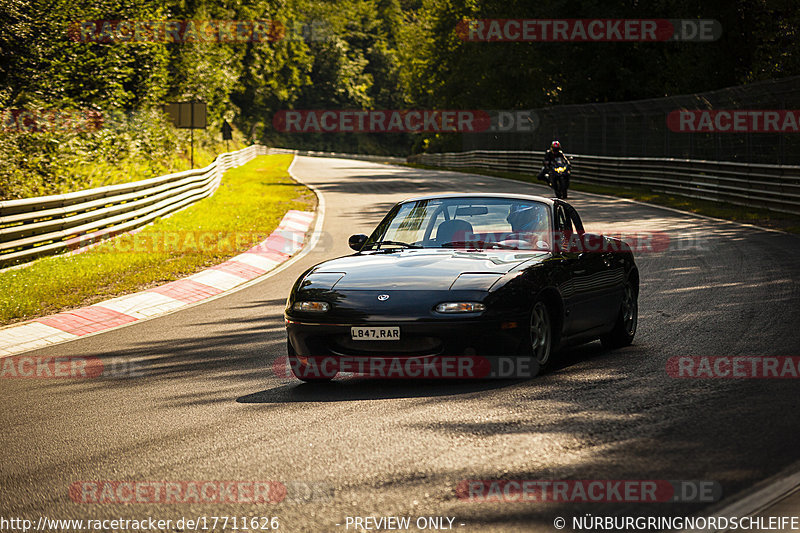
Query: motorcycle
pixel 558 178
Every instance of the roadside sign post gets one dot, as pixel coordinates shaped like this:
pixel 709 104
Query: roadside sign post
pixel 191 143
pixel 191 115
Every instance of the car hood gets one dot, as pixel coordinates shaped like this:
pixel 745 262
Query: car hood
pixel 435 269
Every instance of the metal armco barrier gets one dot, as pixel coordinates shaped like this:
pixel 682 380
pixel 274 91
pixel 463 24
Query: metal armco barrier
pixel 34 227
pixel 773 187
pixel 361 157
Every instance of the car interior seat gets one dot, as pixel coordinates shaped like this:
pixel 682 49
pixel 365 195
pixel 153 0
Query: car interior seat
pixel 453 231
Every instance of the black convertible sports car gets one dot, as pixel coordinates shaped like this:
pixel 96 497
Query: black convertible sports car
pixel 467 275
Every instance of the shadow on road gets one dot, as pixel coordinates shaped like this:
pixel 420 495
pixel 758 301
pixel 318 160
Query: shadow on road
pixel 344 389
pixel 354 389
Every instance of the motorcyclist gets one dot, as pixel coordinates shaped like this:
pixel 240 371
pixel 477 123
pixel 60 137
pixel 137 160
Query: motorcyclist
pixel 554 157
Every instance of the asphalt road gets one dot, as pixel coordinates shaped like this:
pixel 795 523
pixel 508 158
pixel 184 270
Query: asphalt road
pixel 207 406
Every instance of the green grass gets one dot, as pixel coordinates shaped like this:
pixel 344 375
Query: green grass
pixel 759 217
pixel 245 209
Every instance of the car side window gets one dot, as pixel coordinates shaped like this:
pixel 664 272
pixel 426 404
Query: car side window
pixel 565 227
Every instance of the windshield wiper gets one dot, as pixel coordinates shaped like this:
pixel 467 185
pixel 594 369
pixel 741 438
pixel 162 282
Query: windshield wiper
pixel 477 244
pixel 394 243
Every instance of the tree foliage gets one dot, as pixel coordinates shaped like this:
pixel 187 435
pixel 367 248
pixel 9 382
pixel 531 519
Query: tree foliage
pixel 345 54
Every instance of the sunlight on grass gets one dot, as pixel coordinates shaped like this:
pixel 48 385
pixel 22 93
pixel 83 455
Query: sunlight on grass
pixel 245 209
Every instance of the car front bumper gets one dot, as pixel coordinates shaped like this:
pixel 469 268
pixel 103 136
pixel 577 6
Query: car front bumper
pixel 471 337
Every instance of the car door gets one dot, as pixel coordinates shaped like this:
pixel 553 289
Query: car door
pixel 603 283
pixel 580 267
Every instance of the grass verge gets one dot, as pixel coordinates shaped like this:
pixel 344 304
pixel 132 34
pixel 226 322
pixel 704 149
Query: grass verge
pixel 245 209
pixel 758 217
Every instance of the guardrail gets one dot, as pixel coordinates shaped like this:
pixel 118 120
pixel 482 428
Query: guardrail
pixel 773 187
pixel 34 227
pixel 361 157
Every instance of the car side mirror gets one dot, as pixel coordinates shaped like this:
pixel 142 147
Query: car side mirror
pixel 356 242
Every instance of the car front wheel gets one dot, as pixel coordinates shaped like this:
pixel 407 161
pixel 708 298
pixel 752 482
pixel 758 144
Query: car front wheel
pixel 541 334
pixel 627 319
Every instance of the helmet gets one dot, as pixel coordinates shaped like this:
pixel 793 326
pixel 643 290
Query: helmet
pixel 526 217
pixel 555 146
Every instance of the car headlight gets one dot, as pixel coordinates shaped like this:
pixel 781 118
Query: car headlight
pixel 311 307
pixel 460 307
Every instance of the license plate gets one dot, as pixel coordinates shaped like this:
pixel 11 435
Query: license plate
pixel 361 333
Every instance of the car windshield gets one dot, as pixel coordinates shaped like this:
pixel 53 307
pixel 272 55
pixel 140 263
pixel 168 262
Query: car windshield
pixel 467 223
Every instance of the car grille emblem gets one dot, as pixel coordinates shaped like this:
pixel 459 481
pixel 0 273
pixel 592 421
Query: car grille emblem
pixel 383 297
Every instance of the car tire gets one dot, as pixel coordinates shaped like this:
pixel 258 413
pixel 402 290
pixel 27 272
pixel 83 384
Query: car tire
pixel 541 334
pixel 295 364
pixel 627 319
